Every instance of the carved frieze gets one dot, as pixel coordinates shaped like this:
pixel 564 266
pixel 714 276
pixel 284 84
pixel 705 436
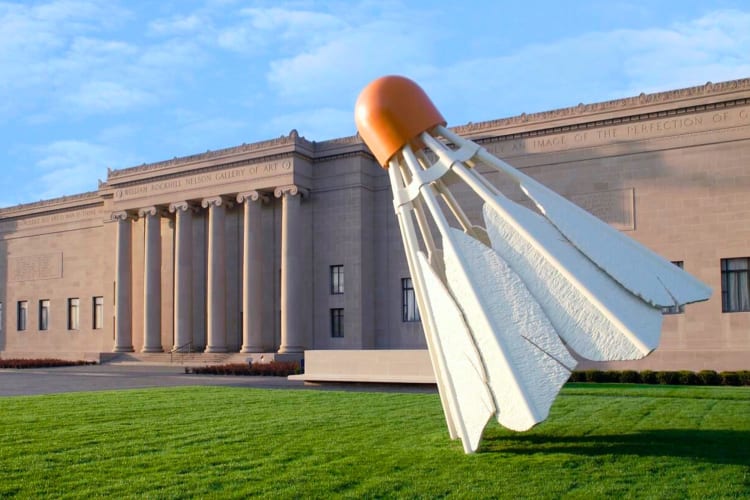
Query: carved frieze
pixel 225 176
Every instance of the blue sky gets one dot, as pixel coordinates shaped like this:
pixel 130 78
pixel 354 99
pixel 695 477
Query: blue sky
pixel 91 84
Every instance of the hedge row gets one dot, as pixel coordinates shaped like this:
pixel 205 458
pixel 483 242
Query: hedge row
pixel 41 363
pixel 272 369
pixel 682 377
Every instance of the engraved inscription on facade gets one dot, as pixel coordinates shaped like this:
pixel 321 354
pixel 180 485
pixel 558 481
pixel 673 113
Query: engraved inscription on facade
pixel 660 127
pixel 35 267
pixel 613 207
pixel 212 178
pixel 70 216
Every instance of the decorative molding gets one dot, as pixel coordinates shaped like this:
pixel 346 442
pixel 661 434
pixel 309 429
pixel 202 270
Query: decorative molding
pixel 213 201
pixel 89 195
pixel 122 215
pixel 252 196
pixel 285 140
pixel 615 104
pixel 146 211
pixel 347 140
pixel 291 190
pixel 182 206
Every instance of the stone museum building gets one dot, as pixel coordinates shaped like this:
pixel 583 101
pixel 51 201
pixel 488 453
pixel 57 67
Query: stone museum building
pixel 287 245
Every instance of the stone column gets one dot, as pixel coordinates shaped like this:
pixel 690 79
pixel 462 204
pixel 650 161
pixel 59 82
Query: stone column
pixel 292 270
pixel 183 273
pixel 123 284
pixel 252 269
pixel 216 289
pixel 151 280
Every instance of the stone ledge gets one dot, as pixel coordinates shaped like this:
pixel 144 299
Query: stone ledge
pixel 399 366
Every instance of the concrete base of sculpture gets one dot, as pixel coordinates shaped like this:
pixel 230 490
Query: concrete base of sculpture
pixel 402 366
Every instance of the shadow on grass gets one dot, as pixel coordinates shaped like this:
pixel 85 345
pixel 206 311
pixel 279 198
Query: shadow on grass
pixel 714 446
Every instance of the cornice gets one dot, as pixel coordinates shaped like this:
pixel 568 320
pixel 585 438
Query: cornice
pixel 616 105
pixel 61 203
pixel 629 118
pixel 293 139
pixel 211 168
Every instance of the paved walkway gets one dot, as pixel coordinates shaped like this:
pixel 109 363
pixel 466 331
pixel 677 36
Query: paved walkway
pixel 114 376
pixel 120 376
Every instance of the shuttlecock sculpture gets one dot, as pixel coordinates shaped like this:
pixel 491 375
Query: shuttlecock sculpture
pixel 503 303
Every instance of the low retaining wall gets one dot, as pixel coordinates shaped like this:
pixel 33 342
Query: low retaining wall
pixel 405 366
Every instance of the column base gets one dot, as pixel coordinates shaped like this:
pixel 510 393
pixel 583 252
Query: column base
pixel 123 348
pixel 152 349
pixel 215 349
pixel 253 348
pixel 291 349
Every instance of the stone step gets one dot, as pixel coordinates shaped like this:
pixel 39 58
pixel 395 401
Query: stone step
pixel 198 358
pixel 177 358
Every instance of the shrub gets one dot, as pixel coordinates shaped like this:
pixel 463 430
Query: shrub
pixel 274 368
pixel 729 378
pixel 577 377
pixel 629 377
pixel 648 377
pixel 594 376
pixel 41 363
pixel 708 377
pixel 686 377
pixel 667 378
pixel 682 377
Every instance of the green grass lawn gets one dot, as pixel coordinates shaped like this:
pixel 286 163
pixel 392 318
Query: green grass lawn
pixel 208 442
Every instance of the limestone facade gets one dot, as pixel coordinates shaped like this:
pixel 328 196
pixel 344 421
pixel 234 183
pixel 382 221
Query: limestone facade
pixel 236 250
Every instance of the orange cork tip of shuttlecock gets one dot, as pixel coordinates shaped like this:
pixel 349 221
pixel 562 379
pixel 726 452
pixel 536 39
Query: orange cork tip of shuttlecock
pixel 392 112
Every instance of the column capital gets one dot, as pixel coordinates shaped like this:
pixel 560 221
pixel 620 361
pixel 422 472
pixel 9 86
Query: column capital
pixel 290 190
pixel 181 206
pixel 122 215
pixel 252 196
pixel 216 201
pixel 145 211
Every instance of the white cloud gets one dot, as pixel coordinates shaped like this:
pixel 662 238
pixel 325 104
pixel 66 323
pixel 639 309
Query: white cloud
pixel 177 25
pixel 67 58
pixel 343 65
pixel 72 166
pixel 593 67
pixel 103 96
pixel 714 47
pixel 278 27
pixel 588 67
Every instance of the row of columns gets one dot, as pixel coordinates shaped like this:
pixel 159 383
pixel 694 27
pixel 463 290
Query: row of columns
pixel 292 248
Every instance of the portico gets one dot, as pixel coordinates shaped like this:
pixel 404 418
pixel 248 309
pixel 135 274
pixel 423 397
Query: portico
pixel 219 248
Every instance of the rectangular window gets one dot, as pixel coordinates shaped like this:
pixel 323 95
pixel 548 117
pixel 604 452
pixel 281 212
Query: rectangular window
pixel 73 308
pixel 337 322
pixel 735 285
pixel 410 311
pixel 337 280
pixel 675 309
pixel 44 314
pixel 98 313
pixel 22 314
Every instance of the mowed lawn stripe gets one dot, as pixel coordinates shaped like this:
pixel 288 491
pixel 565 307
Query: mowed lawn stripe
pixel 603 440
